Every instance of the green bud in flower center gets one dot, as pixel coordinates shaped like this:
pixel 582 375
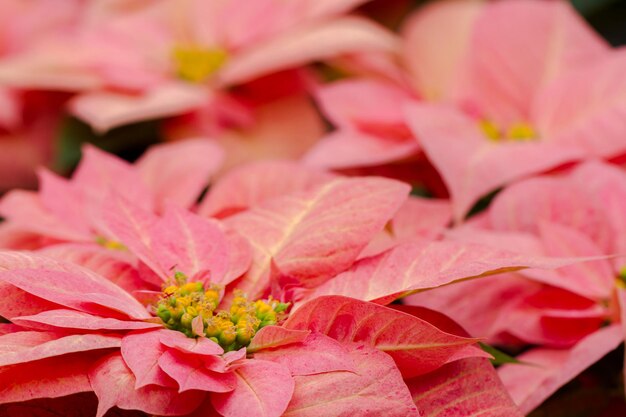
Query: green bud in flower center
pixel 191 308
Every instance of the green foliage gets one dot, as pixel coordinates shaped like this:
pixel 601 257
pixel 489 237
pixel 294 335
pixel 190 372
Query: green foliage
pixel 127 141
pixel 588 7
pixel 499 357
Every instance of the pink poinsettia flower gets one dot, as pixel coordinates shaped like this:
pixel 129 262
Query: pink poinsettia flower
pixel 135 362
pixel 163 359
pixel 565 311
pixel 367 108
pixel 476 102
pixel 313 347
pixel 170 173
pixel 161 59
pixel 28 121
pixel 507 97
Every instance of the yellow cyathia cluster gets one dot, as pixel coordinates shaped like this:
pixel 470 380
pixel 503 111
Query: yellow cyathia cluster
pixel 110 244
pixel 621 278
pixel 183 302
pixel 516 132
pixel 196 64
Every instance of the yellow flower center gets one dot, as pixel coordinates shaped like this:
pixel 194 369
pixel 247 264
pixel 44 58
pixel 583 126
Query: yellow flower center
pixel 191 308
pixel 516 132
pixel 110 244
pixel 196 64
pixel 620 282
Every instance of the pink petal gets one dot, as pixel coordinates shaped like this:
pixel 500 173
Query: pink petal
pixel 270 132
pixel 275 336
pixel 178 172
pixel 239 255
pixel 313 235
pixel 469 387
pixel 497 296
pixel 70 208
pixel 446 324
pixel 54 347
pixel 351 103
pixel 594 279
pixel 46 378
pixel 100 174
pixel 25 210
pixel 331 7
pixel 315 355
pixel 104 110
pixel 114 385
pixel 416 346
pixel 22 340
pixel 54 65
pixel 197 327
pixel 10 105
pixel 541 41
pixel 412 267
pixel 416 218
pixel 585 108
pixel 348 148
pixel 132 225
pixel 197 346
pixel 141 352
pixel 262 389
pixel 183 241
pixel 317 41
pixel 9 328
pixel 71 319
pixel 472 165
pixel 549 369
pixel 376 386
pixel 434 66
pixel 422 217
pixel 14 237
pixel 556 200
pixel 117 266
pixel 16 302
pixel 191 373
pixel 85 292
pixel 251 184
pixel 606 185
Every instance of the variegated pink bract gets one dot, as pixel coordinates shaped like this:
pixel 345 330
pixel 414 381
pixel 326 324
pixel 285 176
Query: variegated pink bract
pixel 513 104
pixel 565 312
pixel 35 219
pixel 487 104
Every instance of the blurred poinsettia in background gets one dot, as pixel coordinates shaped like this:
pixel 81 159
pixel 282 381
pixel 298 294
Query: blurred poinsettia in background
pixel 312 208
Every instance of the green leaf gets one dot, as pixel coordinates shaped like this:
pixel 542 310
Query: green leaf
pixel 499 357
pixel 128 141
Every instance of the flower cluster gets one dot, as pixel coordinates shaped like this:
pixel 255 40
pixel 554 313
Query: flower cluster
pixel 191 309
pixel 354 202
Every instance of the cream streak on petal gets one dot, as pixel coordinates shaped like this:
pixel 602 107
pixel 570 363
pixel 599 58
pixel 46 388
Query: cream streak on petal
pixel 313 235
